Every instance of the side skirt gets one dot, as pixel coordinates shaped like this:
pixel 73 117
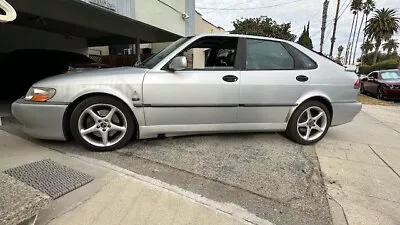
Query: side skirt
pixel 178 130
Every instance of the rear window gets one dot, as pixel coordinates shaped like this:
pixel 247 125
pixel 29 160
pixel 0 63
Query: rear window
pixel 307 62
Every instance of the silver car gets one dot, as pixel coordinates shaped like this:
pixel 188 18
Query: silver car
pixel 206 83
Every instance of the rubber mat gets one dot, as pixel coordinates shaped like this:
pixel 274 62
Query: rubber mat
pixel 50 177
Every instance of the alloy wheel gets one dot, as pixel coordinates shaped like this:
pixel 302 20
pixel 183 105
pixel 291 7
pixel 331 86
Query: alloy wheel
pixel 312 123
pixel 102 125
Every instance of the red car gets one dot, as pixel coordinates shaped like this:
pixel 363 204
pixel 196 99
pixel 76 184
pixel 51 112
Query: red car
pixel 383 84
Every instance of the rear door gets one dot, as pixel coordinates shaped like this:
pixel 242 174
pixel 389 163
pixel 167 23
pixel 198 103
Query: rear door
pixel 273 79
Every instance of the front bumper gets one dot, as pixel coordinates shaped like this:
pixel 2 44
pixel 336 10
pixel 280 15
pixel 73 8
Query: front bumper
pixel 42 120
pixel 391 93
pixel 345 112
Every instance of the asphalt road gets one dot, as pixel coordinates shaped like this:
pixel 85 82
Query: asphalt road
pixel 264 173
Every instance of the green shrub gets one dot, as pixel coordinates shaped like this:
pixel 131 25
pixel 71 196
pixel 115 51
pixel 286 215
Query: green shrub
pixel 385 65
pixel 364 69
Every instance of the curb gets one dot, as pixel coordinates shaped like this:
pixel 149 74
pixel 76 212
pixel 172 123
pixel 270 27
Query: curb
pixel 229 209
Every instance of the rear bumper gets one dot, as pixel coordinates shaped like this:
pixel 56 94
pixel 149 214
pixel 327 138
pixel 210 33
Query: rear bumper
pixel 41 120
pixel 345 112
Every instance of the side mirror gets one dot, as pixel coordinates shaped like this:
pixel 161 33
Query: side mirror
pixel 178 63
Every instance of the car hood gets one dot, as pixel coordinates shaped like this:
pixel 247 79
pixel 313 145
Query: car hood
pixel 93 76
pixel 391 82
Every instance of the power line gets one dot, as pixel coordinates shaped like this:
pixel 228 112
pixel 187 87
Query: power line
pixel 261 7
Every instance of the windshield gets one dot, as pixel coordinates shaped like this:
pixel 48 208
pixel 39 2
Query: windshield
pixel 155 59
pixel 391 75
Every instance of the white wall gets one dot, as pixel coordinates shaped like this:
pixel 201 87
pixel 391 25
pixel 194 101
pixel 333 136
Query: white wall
pixel 157 14
pixel 16 37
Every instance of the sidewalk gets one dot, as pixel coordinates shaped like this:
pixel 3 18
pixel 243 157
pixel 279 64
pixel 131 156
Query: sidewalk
pixel 118 196
pixel 361 166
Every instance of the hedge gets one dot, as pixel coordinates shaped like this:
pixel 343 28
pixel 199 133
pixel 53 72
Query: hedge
pixel 384 65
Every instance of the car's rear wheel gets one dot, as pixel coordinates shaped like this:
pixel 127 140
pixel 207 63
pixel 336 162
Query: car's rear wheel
pixel 309 123
pixel 102 123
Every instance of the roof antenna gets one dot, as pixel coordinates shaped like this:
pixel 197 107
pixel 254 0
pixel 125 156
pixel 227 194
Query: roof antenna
pixel 10 15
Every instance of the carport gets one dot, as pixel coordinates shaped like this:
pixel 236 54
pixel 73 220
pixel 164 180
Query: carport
pixel 91 24
pixel 80 19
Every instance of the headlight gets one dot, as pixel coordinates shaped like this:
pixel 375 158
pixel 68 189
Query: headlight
pixel 38 94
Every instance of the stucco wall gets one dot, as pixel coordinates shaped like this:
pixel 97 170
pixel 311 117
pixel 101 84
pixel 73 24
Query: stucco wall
pixel 121 7
pixel 203 27
pixel 158 14
pixel 16 37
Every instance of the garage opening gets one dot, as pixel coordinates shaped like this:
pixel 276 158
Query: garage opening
pixel 51 37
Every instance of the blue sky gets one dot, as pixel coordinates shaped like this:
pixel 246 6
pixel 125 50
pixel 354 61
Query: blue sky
pixel 297 12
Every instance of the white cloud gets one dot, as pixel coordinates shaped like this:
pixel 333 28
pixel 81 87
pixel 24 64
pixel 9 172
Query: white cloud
pixel 298 13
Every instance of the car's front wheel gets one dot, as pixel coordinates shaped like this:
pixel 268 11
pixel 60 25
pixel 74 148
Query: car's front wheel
pixel 102 123
pixel 309 123
pixel 362 89
pixel 380 93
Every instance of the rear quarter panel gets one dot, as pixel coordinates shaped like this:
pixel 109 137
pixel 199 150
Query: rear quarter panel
pixel 329 80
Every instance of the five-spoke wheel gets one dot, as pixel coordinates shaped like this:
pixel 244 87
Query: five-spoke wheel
pixel 102 123
pixel 309 123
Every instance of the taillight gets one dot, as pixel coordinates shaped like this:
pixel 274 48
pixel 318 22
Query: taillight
pixel 357 84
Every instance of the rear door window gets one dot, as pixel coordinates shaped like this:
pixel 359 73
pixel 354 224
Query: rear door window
pixel 267 55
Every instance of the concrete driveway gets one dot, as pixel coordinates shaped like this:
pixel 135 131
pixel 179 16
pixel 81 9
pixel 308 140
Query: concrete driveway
pixel 361 166
pixel 275 178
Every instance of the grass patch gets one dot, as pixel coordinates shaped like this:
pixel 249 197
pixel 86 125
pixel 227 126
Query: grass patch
pixel 367 100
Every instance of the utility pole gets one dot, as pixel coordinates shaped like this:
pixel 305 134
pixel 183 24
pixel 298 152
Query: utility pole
pixel 323 26
pixel 334 29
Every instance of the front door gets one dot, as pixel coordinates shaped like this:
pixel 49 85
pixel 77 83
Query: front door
pixel 207 92
pixel 371 84
pixel 275 76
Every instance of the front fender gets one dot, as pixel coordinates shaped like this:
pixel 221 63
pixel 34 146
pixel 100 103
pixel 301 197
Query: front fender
pixel 120 93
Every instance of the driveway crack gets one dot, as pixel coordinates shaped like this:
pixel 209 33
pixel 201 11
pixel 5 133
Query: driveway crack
pixel 341 207
pixel 387 164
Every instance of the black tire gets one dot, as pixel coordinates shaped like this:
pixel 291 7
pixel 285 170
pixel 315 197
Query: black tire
pixel 79 109
pixel 380 94
pixel 291 130
pixel 362 90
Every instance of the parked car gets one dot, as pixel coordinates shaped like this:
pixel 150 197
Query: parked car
pixel 383 84
pixel 193 86
pixel 39 64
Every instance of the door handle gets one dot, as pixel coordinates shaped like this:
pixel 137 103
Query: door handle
pixel 230 78
pixel 302 78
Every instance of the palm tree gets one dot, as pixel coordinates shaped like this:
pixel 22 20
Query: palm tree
pixel 391 45
pixel 382 27
pixel 367 47
pixel 367 8
pixel 357 6
pixel 351 32
pixel 340 52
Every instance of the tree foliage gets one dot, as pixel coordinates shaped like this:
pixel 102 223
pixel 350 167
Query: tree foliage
pixel 305 39
pixel 263 26
pixel 368 59
pixel 391 45
pixel 381 27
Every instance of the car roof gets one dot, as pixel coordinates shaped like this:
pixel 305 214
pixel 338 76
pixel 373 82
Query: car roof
pixel 240 36
pixel 382 71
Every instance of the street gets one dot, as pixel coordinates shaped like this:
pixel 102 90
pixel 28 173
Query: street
pixel 272 177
